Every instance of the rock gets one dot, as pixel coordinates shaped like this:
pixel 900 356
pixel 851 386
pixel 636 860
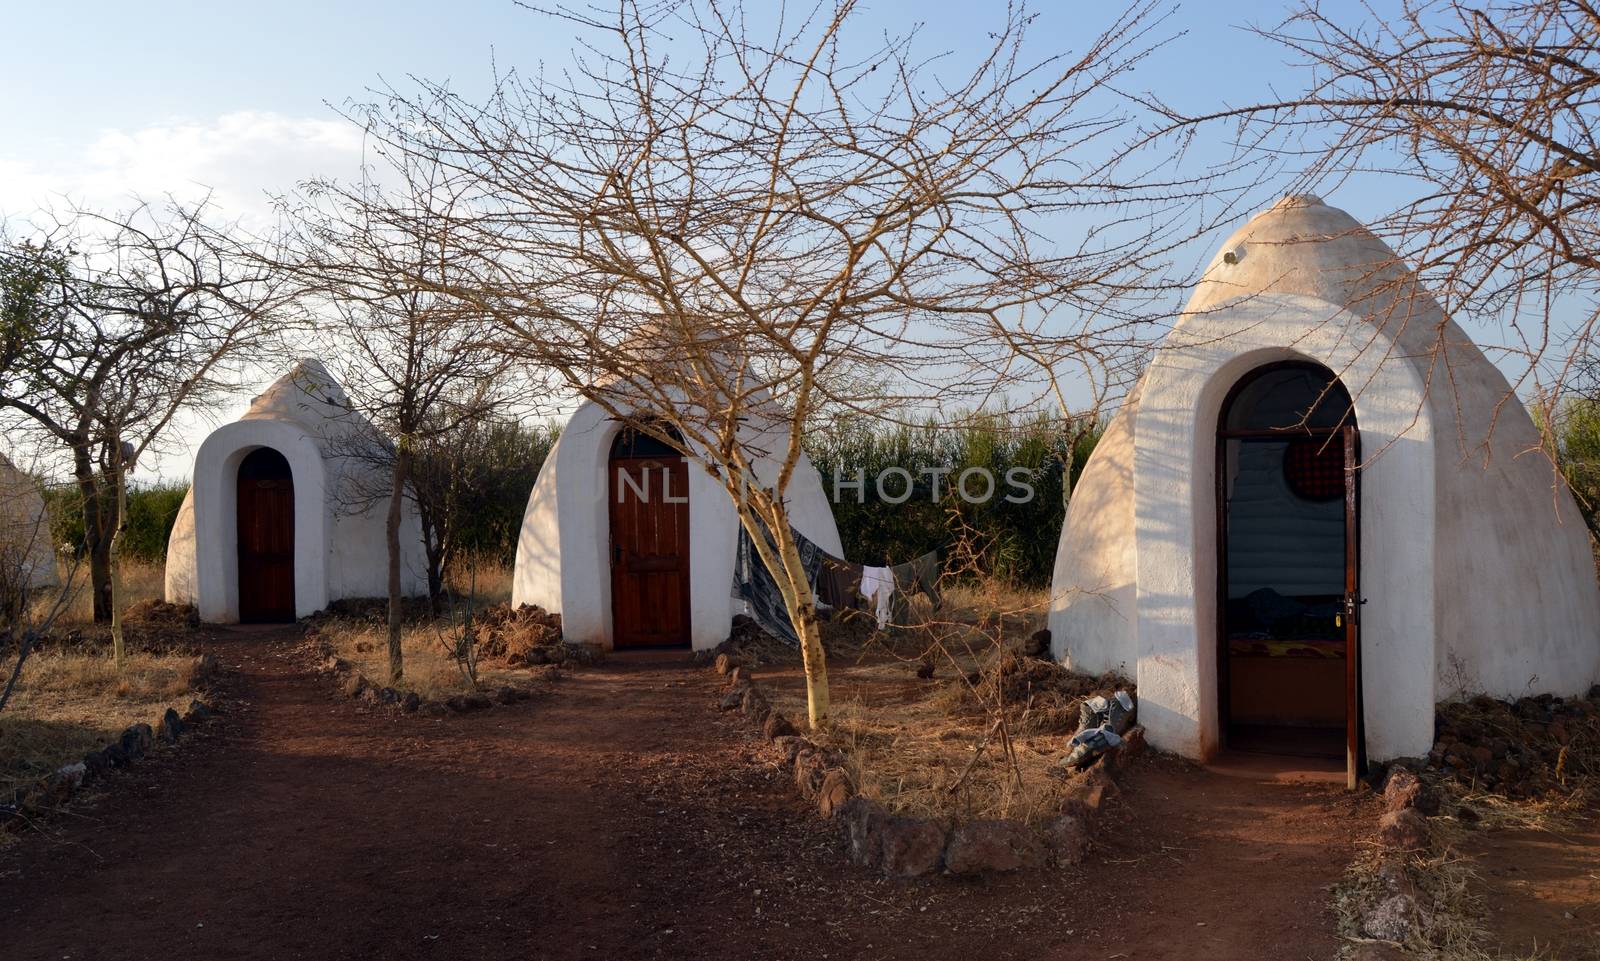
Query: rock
pixel 738 675
pixel 788 747
pixel 1480 756
pixel 1037 644
pixel 388 695
pixel 1404 789
pixel 433 709
pixel 411 702
pixel 864 820
pixel 834 791
pixel 776 726
pixel 925 669
pixel 977 847
pixel 115 754
pixel 464 703
pixel 1403 830
pixel 369 697
pixel 171 727
pixel 95 765
pixel 912 847
pixel 136 740
pixel 198 713
pixel 1133 744
pixel 1092 788
pixel 73 774
pixel 1375 951
pixel 479 701
pixel 507 695
pixel 1068 838
pixel 1391 919
pixel 810 767
pixel 723 664
pixel 206 667
pixel 732 699
pixel 754 704
pixel 354 685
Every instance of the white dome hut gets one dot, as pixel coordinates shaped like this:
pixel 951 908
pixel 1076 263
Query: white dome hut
pixel 27 557
pixel 1216 552
pixel 625 570
pixel 287 510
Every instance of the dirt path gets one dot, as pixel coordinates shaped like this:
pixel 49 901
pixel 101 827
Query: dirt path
pixel 620 818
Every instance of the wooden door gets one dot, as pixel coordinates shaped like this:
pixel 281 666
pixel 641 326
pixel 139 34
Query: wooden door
pixel 266 538
pixel 649 499
pixel 1355 755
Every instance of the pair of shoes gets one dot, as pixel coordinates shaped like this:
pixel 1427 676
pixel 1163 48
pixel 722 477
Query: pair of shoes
pixel 1089 744
pixel 1115 712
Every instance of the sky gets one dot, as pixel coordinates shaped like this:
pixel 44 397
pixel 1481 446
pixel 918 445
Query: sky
pixel 114 101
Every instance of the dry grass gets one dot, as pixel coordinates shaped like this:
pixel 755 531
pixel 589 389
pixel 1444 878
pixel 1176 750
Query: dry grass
pixel 979 738
pixel 430 666
pixel 141 581
pixel 70 702
pixel 71 699
pixel 430 669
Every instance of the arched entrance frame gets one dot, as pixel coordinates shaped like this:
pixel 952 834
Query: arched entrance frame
pixel 216 511
pixel 1176 522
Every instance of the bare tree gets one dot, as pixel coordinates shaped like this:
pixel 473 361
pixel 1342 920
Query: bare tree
pixel 717 221
pixel 114 325
pixel 373 262
pixel 1489 112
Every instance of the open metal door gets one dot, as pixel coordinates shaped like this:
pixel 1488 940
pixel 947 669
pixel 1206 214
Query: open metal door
pixel 1355 754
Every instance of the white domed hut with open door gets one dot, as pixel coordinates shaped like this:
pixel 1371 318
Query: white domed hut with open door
pixel 1315 518
pixel 287 510
pixel 634 544
pixel 27 557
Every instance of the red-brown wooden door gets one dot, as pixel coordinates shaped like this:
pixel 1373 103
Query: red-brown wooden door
pixel 649 498
pixel 266 537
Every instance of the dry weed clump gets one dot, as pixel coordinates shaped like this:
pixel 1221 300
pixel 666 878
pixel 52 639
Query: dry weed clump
pixel 1447 923
pixel 1036 696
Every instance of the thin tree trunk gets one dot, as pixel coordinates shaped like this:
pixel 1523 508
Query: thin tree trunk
pixel 402 467
pixel 802 603
pixel 114 558
pixel 95 543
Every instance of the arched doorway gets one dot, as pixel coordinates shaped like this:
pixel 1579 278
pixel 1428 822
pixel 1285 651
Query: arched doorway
pixel 1287 571
pixel 266 538
pixel 649 509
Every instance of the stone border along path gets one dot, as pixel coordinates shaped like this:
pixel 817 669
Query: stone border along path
pixel 624 818
pixel 903 846
pixel 52 792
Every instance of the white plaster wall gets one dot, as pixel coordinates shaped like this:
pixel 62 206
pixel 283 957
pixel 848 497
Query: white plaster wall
pixel 562 550
pixel 25 547
pixel 1092 599
pixel 1518 607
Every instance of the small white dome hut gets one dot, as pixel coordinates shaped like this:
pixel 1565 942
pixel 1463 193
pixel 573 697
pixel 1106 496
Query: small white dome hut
pixel 27 558
pixel 1216 551
pixel 287 510
pixel 625 570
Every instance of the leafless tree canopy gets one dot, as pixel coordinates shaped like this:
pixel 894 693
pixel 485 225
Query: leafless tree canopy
pixel 112 325
pixel 1489 112
pixel 726 219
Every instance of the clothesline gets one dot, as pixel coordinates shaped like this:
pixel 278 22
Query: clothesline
pixel 837 583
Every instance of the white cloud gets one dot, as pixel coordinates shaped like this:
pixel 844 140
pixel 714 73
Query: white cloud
pixel 239 158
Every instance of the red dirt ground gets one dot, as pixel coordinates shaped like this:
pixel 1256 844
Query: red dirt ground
pixel 620 817
pixel 1542 889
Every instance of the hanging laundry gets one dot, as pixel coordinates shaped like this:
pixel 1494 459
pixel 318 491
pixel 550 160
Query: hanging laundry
pixel 877 586
pixel 839 584
pixel 920 576
pixel 755 585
